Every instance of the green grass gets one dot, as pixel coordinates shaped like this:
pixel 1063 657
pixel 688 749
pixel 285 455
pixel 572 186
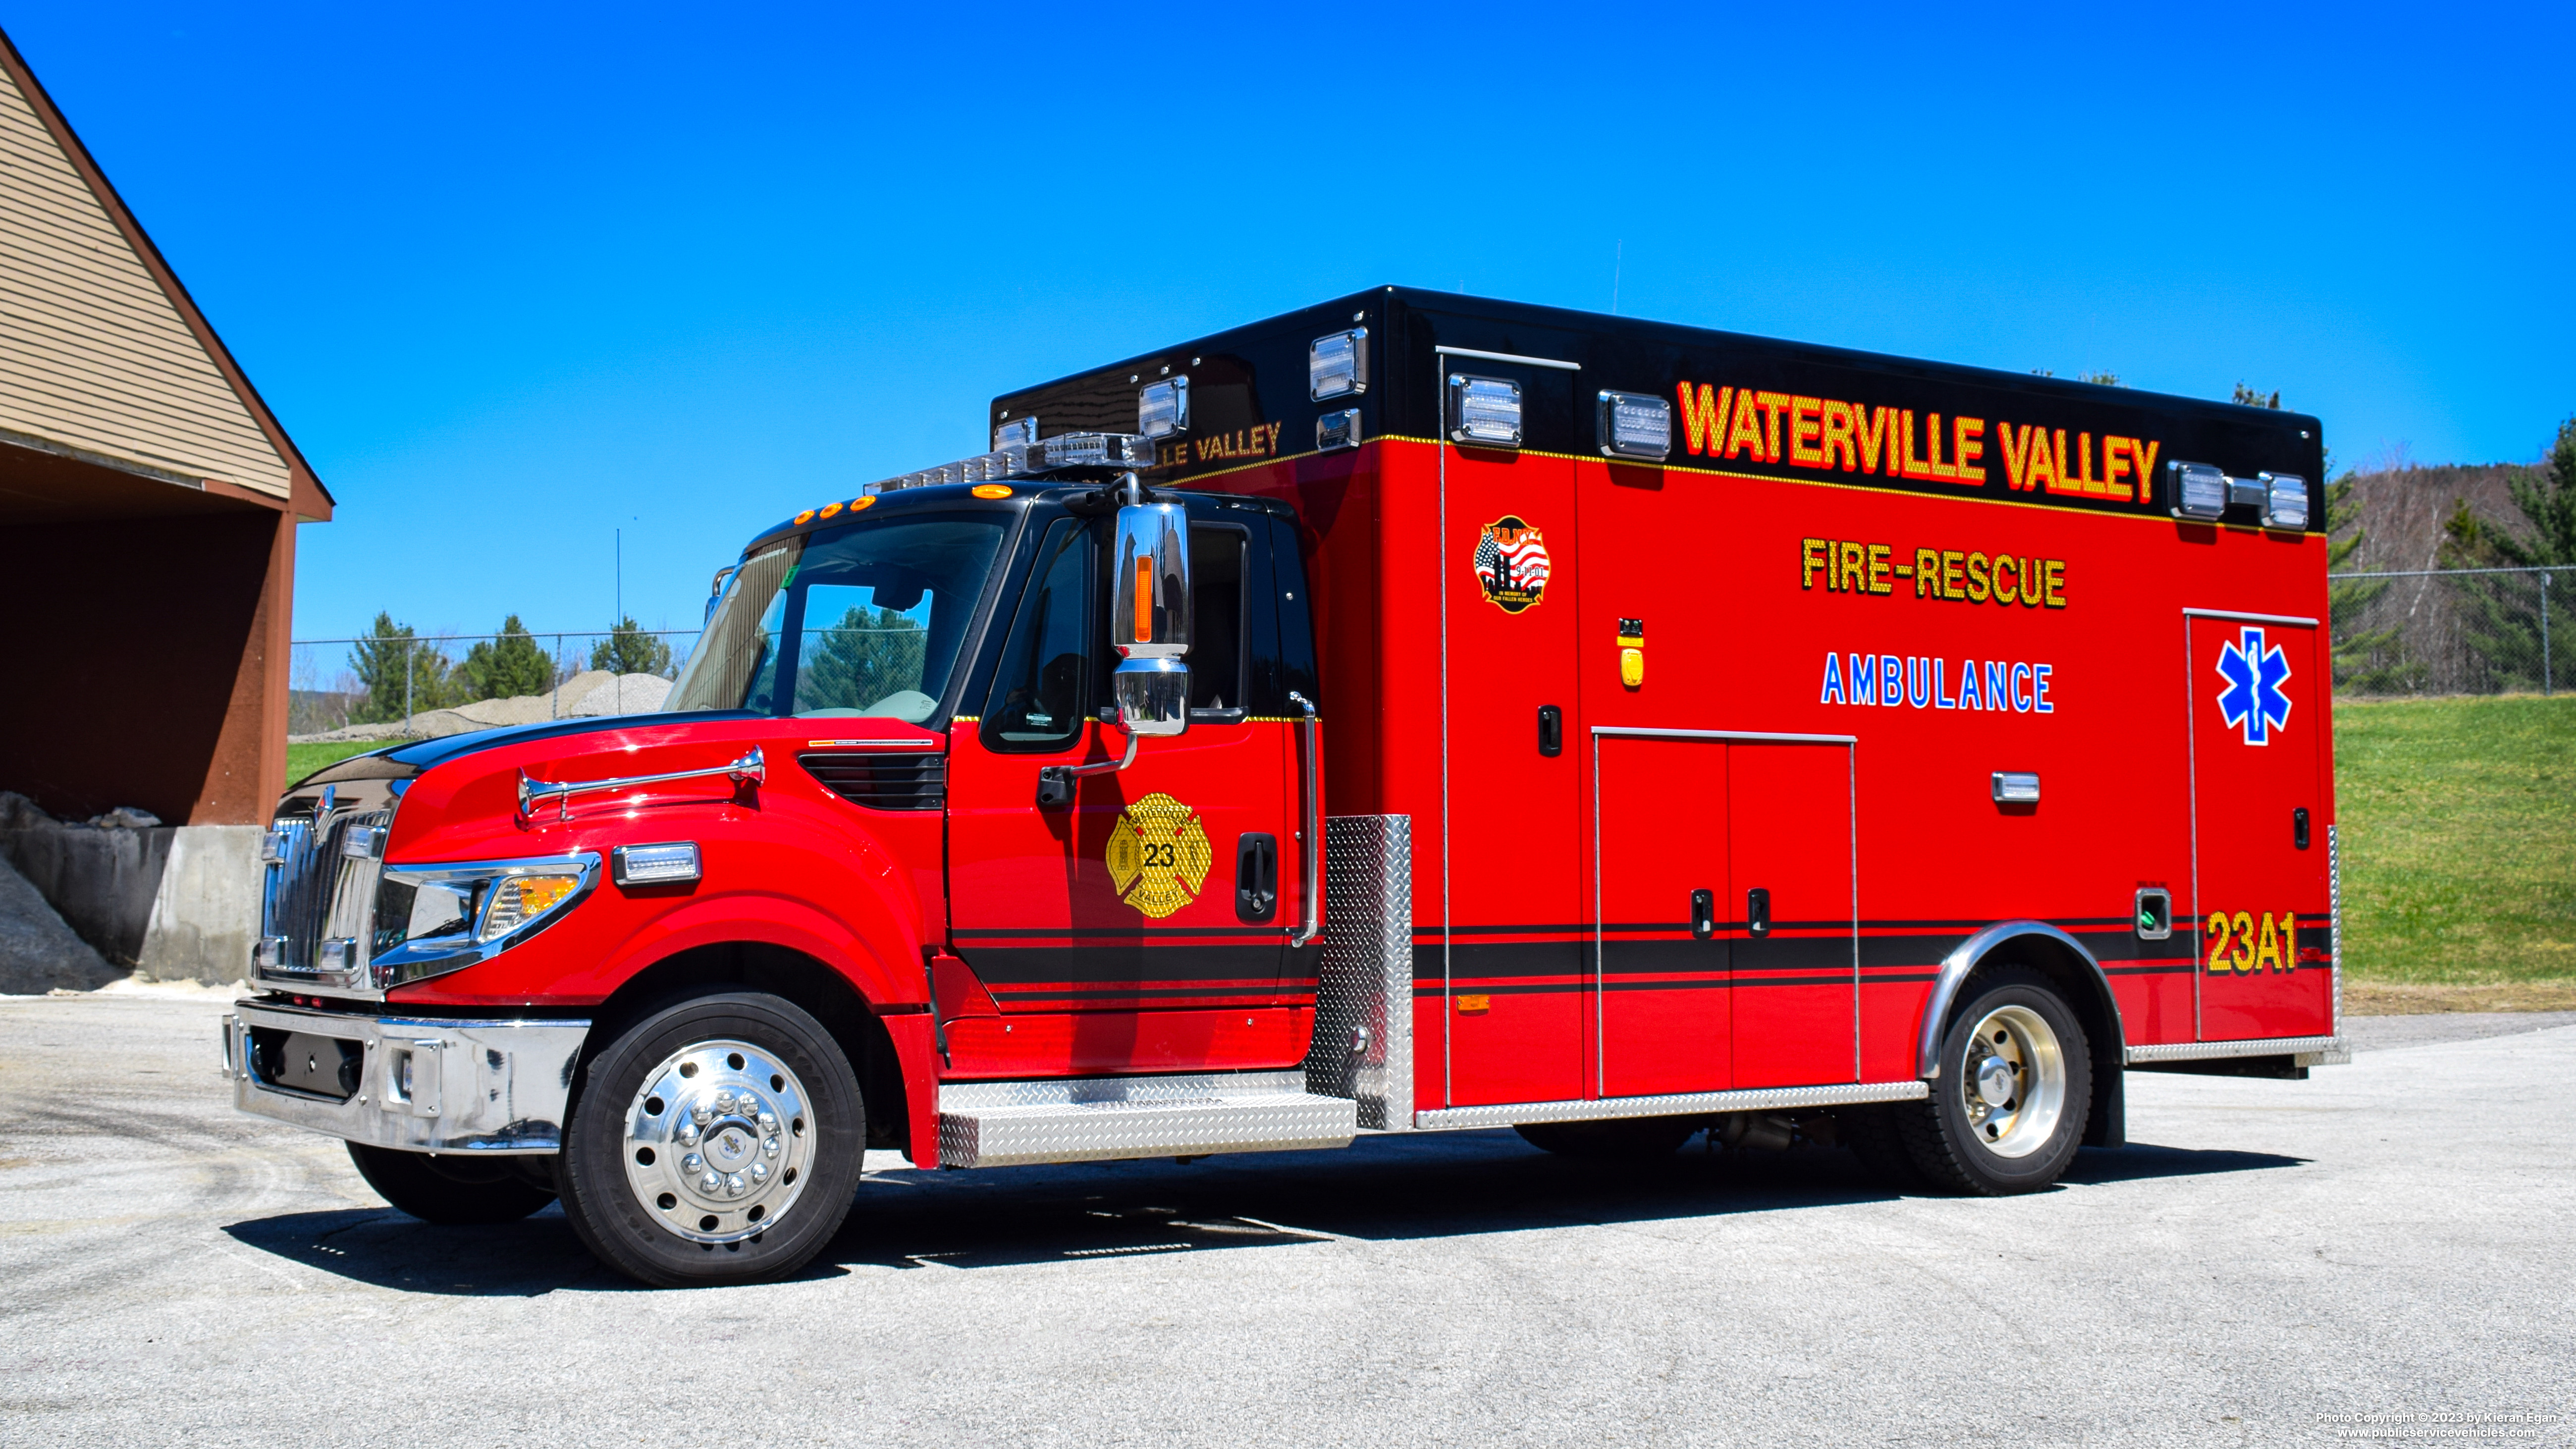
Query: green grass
pixel 2458 827
pixel 303 760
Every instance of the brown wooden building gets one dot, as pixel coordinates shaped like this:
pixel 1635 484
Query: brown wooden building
pixel 148 506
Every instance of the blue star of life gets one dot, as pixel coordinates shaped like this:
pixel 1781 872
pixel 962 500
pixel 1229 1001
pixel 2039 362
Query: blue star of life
pixel 2253 699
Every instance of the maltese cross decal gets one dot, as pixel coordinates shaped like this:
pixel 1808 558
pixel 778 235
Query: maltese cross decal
pixel 2253 699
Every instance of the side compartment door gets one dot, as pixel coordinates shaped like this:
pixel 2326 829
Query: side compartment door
pixel 1796 978
pixel 2259 890
pixel 1661 892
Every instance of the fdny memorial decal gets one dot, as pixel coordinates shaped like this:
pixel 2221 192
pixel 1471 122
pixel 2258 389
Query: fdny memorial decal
pixel 1158 855
pixel 1511 564
pixel 2253 701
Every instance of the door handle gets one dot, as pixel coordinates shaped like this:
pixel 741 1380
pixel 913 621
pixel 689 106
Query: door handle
pixel 2299 827
pixel 1703 914
pixel 1551 731
pixel 1757 912
pixel 1256 875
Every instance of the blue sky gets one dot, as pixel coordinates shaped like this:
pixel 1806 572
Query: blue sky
pixel 515 279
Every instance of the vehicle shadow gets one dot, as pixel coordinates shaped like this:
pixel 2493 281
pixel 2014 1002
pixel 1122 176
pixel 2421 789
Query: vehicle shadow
pixel 388 1249
pixel 1383 1189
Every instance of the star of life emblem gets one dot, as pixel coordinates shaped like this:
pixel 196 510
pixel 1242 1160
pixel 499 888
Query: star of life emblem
pixel 2253 700
pixel 1158 855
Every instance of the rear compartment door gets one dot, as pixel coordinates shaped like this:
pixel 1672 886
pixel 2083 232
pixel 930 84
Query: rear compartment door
pixel 2258 827
pixel 1796 978
pixel 1662 884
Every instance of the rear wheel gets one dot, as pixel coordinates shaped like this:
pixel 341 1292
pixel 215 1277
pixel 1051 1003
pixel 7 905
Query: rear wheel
pixel 448 1188
pixel 2007 1112
pixel 718 1140
pixel 1619 1137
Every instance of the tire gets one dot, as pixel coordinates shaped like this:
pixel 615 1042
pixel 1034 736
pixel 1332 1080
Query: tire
pixel 717 1140
pixel 1873 1136
pixel 2007 1117
pixel 1622 1138
pixel 459 1191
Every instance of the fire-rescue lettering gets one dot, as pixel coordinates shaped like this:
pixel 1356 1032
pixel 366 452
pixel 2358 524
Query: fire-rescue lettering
pixel 1952 575
pixel 1930 682
pixel 1734 424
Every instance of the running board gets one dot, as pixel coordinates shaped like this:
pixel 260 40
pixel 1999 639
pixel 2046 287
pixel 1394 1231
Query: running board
pixel 2304 1051
pixel 1102 1119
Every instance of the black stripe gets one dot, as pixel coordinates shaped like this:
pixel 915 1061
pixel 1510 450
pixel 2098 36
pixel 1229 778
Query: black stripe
pixel 1108 965
pixel 1110 933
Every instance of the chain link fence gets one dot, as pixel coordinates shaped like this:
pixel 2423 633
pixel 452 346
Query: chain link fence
pixel 409 686
pixel 2451 631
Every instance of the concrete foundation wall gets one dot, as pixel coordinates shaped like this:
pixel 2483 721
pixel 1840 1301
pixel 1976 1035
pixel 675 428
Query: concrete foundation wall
pixel 206 913
pixel 172 903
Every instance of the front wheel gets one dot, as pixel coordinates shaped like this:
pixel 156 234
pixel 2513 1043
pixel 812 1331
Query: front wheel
pixel 2007 1112
pixel 718 1140
pixel 447 1188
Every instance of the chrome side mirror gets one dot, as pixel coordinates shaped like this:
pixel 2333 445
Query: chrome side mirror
pixel 1149 618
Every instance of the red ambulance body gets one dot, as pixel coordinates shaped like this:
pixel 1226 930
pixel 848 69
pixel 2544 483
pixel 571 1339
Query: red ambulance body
pixel 1411 713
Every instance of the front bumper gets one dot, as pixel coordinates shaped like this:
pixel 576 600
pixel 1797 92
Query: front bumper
pixel 421 1084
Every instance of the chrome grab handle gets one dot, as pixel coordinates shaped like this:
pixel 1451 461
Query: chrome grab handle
pixel 1310 832
pixel 748 770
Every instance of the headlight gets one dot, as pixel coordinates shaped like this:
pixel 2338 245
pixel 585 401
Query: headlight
pixel 433 919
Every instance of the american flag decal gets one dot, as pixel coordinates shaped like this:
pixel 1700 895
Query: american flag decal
pixel 1511 564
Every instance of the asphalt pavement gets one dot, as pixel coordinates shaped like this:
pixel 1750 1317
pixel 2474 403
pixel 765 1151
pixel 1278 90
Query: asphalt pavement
pixel 2381 1254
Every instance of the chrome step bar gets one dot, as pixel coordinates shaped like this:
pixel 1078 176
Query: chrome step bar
pixel 1103 1119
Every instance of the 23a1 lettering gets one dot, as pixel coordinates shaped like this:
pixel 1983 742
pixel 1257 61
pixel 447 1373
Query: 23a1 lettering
pixel 2247 942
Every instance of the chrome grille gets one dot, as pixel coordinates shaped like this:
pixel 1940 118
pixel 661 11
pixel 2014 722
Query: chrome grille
pixel 317 905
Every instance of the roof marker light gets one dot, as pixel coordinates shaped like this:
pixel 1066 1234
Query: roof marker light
pixel 829 509
pixel 1337 365
pixel 1163 408
pixel 2285 501
pixel 805 518
pixel 992 490
pixel 1636 425
pixel 2200 492
pixel 1484 411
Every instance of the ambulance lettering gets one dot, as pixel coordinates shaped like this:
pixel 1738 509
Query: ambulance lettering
pixel 1920 681
pixel 2252 700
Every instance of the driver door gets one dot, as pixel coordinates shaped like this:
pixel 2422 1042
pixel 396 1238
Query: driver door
pixel 1140 928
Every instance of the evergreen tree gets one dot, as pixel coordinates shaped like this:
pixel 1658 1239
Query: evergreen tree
pixel 399 673
pixel 2500 613
pixel 511 665
pixel 861 660
pixel 2370 659
pixel 629 650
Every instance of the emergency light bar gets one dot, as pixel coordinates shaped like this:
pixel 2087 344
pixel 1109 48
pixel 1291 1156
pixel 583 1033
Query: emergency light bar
pixel 1112 452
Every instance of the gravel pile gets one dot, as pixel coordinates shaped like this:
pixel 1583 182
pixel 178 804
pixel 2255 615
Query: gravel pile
pixel 591 693
pixel 38 953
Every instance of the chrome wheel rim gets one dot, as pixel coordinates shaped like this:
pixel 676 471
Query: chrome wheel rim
pixel 719 1142
pixel 2012 1081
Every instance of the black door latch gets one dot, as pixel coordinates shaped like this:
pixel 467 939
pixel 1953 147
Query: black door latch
pixel 1551 731
pixel 1757 911
pixel 1703 914
pixel 1256 875
pixel 2299 827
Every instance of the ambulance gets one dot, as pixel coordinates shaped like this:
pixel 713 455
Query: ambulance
pixel 1414 713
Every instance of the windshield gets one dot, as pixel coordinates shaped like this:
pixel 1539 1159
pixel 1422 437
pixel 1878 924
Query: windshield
pixel 864 620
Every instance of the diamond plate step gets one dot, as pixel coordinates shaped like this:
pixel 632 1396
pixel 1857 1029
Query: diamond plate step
pixel 1096 1119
